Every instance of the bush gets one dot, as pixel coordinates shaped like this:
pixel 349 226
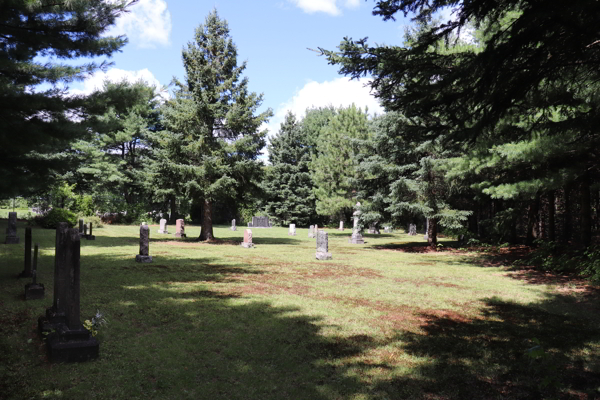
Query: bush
pixel 57 215
pixel 94 219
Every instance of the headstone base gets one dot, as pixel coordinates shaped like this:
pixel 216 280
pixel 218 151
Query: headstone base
pixel 143 259
pixel 12 240
pixel 323 256
pixel 356 239
pixel 233 228
pixel 66 345
pixel 91 237
pixel 161 231
pixel 34 291
pixel 52 321
pixel 180 235
pixel 247 245
pixel 291 234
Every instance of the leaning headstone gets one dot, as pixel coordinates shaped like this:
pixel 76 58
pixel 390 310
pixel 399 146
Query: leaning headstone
pixel 90 236
pixel 69 341
pixel 311 231
pixel 292 230
pixel 356 237
pixel 322 246
pixel 247 243
pixel 144 256
pixel 27 269
pixel 412 230
pixel 11 231
pixel 163 226
pixel 341 228
pixel 34 290
pixel 260 222
pixel 233 227
pixel 179 229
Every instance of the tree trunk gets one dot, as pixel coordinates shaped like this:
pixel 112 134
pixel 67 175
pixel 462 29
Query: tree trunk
pixel 551 215
pixel 586 211
pixel 568 216
pixel 432 233
pixel 173 207
pixel 532 219
pixel 206 233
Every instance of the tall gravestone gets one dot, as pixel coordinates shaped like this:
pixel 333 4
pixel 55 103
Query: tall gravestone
pixel 341 228
pixel 68 340
pixel 356 237
pixel 27 268
pixel 247 243
pixel 412 230
pixel 11 230
pixel 311 231
pixel 233 227
pixel 163 226
pixel 292 230
pixel 323 246
pixel 180 228
pixel 144 256
pixel 90 235
pixel 34 290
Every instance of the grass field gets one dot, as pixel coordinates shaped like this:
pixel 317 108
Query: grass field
pixel 384 320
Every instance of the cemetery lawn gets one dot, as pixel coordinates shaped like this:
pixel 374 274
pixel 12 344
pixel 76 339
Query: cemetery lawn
pixel 384 320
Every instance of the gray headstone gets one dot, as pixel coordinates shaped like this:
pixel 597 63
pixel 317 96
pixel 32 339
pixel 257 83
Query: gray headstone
pixel 412 230
pixel 356 237
pixel 34 290
pixel 341 228
pixel 426 236
pixel 233 226
pixel 322 246
pixel 247 243
pixel 311 231
pixel 292 230
pixel 11 230
pixel 163 226
pixel 260 222
pixel 144 256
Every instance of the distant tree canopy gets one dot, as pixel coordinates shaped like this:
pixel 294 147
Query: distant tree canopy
pixel 38 123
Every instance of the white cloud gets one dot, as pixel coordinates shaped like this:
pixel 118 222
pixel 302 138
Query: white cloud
pixel 331 7
pixel 147 24
pixel 96 81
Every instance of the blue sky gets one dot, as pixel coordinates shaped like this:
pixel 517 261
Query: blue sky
pixel 273 36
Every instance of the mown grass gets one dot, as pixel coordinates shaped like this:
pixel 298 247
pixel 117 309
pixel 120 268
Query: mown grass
pixel 379 321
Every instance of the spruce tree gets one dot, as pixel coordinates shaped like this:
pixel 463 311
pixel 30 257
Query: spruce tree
pixel 214 117
pixel 288 185
pixel 37 124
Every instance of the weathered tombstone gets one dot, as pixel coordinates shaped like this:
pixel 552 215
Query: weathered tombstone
pixel 412 230
pixel 11 231
pixel 356 237
pixel 249 224
pixel 90 236
pixel 163 226
pixel 81 226
pixel 233 226
pixel 374 230
pixel 322 246
pixel 260 222
pixel 27 269
pixel 34 290
pixel 311 231
pixel 144 256
pixel 85 232
pixel 426 237
pixel 70 341
pixel 247 243
pixel 179 229
pixel 341 228
pixel 292 230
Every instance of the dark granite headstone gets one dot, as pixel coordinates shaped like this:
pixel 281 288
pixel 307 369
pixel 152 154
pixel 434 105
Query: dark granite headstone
pixel 323 246
pixel 34 290
pixel 260 222
pixel 11 230
pixel 89 235
pixel 27 269
pixel 144 256
pixel 81 223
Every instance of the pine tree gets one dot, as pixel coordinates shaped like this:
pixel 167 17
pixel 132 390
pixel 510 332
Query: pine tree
pixel 37 124
pixel 288 185
pixel 214 118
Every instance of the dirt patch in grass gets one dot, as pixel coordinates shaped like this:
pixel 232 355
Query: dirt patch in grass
pixel 196 243
pixel 427 283
pixel 325 271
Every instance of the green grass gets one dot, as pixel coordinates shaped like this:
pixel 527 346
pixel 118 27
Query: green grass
pixel 379 321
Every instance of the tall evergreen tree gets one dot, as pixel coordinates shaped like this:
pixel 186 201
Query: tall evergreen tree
pixel 37 125
pixel 288 185
pixel 214 118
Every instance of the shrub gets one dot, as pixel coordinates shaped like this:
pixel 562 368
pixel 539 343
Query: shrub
pixel 57 215
pixel 94 219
